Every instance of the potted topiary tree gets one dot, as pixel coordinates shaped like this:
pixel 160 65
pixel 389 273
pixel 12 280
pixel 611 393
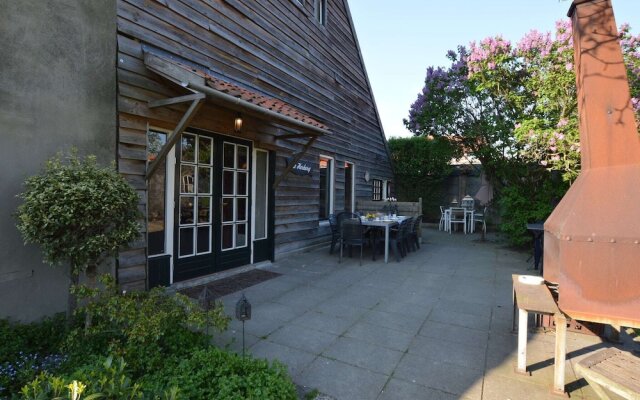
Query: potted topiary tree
pixel 78 212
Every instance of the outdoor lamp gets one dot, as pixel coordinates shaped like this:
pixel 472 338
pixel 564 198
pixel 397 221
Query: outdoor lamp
pixel 243 309
pixel 243 313
pixel 237 123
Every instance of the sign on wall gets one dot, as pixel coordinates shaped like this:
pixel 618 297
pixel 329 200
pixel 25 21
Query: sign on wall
pixel 301 168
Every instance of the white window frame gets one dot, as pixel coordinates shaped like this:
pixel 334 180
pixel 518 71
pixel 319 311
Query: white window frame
pixel 253 198
pixel 169 201
pixel 246 222
pixel 321 12
pixel 332 181
pixel 373 188
pixel 353 183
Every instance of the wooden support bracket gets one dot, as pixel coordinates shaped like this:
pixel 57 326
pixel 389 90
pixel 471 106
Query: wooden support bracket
pixel 295 136
pixel 175 135
pixel 176 100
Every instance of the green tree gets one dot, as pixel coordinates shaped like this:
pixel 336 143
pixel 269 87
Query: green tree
pixel 77 212
pixel 515 109
pixel 421 164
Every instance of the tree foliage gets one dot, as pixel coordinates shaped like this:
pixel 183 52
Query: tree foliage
pixel 77 211
pixel 514 107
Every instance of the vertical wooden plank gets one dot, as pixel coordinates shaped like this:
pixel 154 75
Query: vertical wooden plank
pixel 522 341
pixel 560 352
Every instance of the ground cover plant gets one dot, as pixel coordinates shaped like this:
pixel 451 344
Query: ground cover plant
pixel 139 345
pixel 514 108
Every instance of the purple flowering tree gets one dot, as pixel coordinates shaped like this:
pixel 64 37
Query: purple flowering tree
pixel 514 107
pixel 456 104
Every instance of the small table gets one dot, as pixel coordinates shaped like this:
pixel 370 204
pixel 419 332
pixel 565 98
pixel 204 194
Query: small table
pixel 386 224
pixel 538 299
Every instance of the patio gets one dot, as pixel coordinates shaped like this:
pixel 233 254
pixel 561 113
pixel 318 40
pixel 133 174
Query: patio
pixel 434 326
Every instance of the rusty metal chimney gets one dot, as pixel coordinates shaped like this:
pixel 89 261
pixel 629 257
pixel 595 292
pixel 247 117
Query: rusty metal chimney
pixel 592 238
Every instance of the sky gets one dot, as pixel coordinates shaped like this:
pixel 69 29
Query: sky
pixel 399 39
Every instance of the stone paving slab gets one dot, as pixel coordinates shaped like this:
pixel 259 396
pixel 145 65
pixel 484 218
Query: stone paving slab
pixel 436 325
pixel 364 355
pixel 342 381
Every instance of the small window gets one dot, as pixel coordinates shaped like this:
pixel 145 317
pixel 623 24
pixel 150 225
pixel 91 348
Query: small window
pixel 326 187
pixel 377 190
pixel 321 11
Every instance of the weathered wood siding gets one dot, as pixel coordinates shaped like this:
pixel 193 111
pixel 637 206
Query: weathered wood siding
pixel 274 47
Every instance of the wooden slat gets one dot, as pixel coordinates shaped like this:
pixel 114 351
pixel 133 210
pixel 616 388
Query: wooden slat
pixel 269 46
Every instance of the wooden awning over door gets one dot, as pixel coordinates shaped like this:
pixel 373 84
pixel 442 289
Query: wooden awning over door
pixel 203 86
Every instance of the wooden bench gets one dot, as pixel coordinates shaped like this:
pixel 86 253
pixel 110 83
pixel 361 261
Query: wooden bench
pixel 613 369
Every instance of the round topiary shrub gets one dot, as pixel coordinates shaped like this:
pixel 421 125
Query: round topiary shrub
pixel 77 212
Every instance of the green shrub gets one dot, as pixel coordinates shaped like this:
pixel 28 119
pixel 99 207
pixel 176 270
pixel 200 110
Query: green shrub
pixel 76 211
pixel 148 329
pixel 28 349
pixel 521 205
pixel 421 164
pixel 215 374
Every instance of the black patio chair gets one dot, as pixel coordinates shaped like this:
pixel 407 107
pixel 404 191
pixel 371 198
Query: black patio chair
pixel 414 234
pixel 405 232
pixel 396 240
pixel 352 233
pixel 335 231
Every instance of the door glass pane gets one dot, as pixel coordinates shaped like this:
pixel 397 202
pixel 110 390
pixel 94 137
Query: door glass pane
pixel 205 147
pixel 186 209
pixel 187 178
pixel 241 235
pixel 227 236
pixel 242 178
pixel 204 239
pixel 229 155
pixel 188 148
pixel 243 158
pixel 186 241
pixel 227 182
pixel 156 196
pixel 204 210
pixel 204 180
pixel 227 209
pixel 241 209
pixel 261 168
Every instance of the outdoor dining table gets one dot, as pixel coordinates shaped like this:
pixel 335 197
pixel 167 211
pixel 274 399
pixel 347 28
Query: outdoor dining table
pixel 386 223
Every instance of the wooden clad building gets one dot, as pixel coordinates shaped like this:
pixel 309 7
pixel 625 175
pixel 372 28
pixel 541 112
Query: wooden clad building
pixel 243 124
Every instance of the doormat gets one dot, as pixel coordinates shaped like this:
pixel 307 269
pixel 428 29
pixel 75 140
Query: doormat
pixel 232 284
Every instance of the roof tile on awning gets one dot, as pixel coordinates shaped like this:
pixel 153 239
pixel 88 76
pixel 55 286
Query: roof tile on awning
pixel 263 101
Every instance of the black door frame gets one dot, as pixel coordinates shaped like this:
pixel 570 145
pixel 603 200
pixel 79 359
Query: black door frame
pixel 218 260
